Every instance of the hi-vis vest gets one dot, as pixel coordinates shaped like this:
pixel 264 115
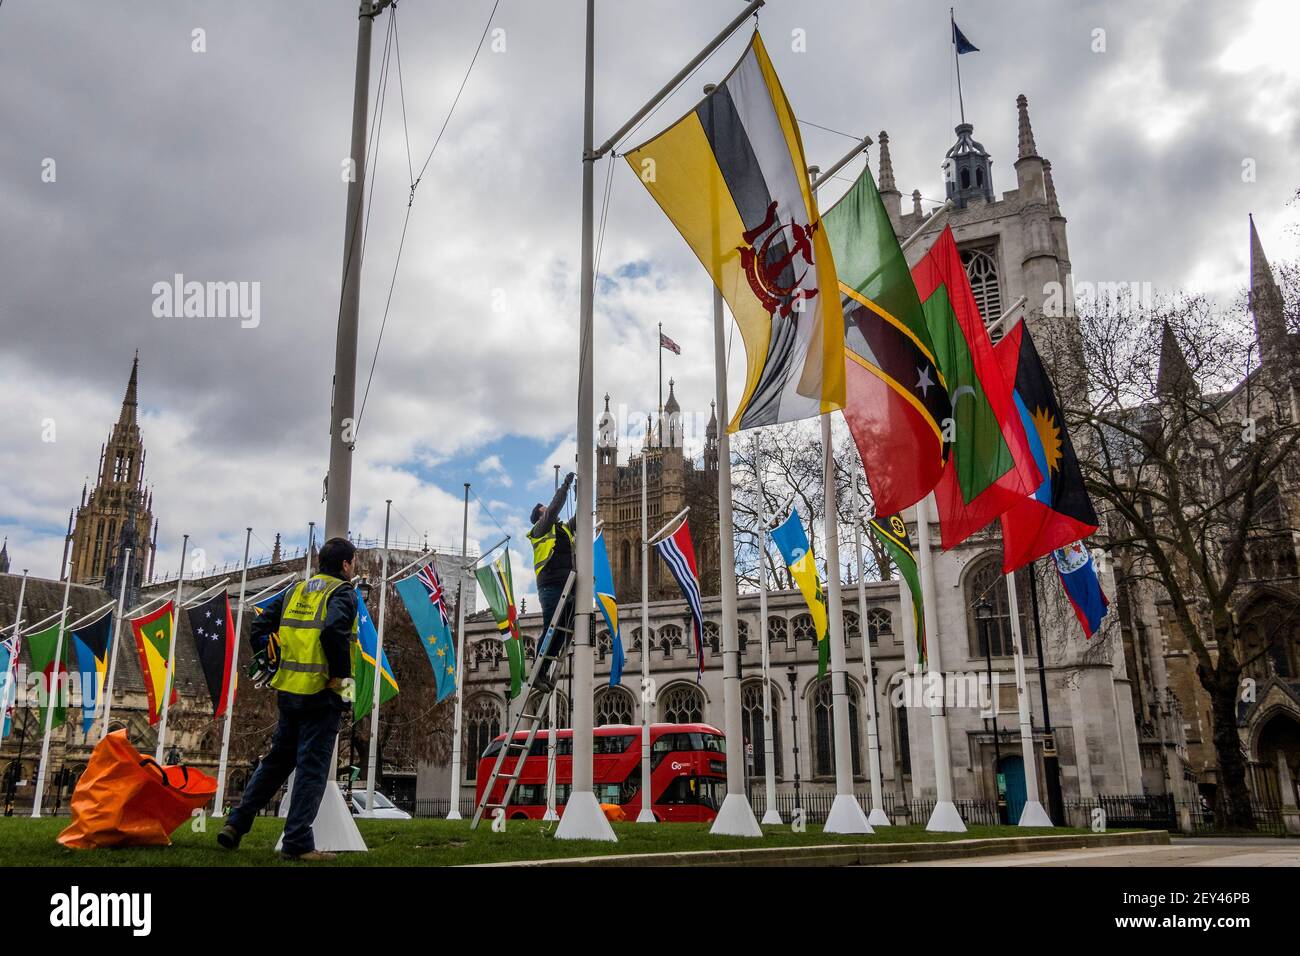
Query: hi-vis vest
pixel 303 668
pixel 544 544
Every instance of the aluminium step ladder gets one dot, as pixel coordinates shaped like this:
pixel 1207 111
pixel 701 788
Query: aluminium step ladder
pixel 532 722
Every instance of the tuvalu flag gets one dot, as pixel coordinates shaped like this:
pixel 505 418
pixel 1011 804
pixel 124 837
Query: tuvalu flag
pixel 731 176
pixel 91 642
pixel 42 648
pixel 792 542
pixel 989 465
pixel 214 640
pixel 425 600
pixel 153 635
pixel 499 590
pixel 892 533
pixel 896 397
pixel 1059 510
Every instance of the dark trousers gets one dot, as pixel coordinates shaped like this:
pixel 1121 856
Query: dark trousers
pixel 549 595
pixel 303 741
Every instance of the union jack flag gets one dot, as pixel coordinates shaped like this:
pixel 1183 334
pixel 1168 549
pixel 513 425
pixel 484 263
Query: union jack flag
pixel 428 576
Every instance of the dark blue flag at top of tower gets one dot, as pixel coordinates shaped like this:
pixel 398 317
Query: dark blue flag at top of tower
pixel 959 40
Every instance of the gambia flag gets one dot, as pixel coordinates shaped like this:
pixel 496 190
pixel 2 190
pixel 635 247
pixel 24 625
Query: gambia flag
pixel 42 648
pixel 214 640
pixel 363 665
pixel 499 590
pixel 896 398
pixel 153 641
pixel 892 533
pixel 792 542
pixel 990 467
pixel 92 642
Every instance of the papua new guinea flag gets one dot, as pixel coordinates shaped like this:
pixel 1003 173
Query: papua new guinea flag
pixel 91 642
pixel 792 541
pixel 1059 511
pixel 1079 578
pixel 153 640
pixel 214 639
pixel 732 177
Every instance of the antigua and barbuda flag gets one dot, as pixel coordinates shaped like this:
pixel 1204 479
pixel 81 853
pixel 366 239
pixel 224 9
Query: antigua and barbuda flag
pixel 1079 578
pixel 426 602
pixel 91 643
pixel 732 177
pixel 792 542
pixel 363 665
pixel 213 630
pixel 153 641
pixel 679 554
pixel 608 606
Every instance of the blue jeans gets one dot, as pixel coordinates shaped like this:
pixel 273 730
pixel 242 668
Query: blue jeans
pixel 303 741
pixel 549 596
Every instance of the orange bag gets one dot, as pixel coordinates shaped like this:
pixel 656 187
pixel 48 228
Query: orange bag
pixel 124 799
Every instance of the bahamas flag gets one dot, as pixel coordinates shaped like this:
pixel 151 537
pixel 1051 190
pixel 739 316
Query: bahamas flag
pixel 91 642
pixel 732 177
pixel 499 590
pixel 43 648
pixel 422 594
pixel 793 544
pixel 1079 578
pixel 363 665
pixel 608 607
pixel 153 638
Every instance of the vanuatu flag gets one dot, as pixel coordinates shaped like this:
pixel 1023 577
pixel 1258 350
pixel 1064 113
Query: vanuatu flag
pixel 604 591
pixel 1059 510
pixel 363 665
pixel 989 467
pixel 214 639
pixel 91 642
pixel 153 641
pixel 426 602
pixel 43 648
pixel 897 399
pixel 499 591
pixel 792 542
pixel 731 176
pixel 892 533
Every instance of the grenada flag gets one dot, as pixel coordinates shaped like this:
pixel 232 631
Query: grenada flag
pixel 153 641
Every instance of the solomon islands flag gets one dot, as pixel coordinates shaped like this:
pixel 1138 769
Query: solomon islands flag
pixel 363 665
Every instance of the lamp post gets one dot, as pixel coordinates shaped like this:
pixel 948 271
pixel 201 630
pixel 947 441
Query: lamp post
pixel 792 676
pixel 984 620
pixel 16 767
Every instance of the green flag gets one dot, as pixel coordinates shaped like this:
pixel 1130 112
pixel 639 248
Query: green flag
pixel 42 647
pixel 363 665
pixel 499 590
pixel 892 533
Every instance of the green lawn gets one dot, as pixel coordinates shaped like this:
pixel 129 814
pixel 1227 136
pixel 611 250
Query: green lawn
pixel 27 842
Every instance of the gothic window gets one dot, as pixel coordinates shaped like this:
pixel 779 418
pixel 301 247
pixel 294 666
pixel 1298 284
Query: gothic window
pixel 682 704
pixel 850 628
pixel 987 583
pixel 636 639
pixel 804 629
pixel 776 630
pixel 604 644
pixel 713 636
pixel 904 742
pixel 982 271
pixel 530 647
pixel 751 705
pixel 670 636
pixel 742 636
pixel 613 706
pixel 879 621
pixel 824 724
pixel 489 651
pixel 482 724
pixel 99 547
pixel 625 563
pixel 965 179
pixel 561 710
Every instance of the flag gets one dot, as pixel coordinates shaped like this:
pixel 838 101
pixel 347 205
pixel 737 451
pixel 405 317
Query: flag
pixel 499 591
pixel 363 665
pixel 92 643
pixel 892 533
pixel 1059 510
pixel 41 648
pixel 153 635
pixel 731 176
pixel 608 607
pixel 792 542
pixel 989 465
pixel 679 554
pixel 1079 578
pixel 896 398
pixel 8 683
pixel 960 42
pixel 214 639
pixel 666 343
pixel 425 601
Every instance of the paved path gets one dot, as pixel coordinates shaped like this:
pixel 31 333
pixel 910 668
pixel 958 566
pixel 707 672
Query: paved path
pixel 1194 852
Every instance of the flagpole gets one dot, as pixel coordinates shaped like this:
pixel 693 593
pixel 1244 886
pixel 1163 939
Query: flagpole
pixel 945 817
pixel 552 717
pixel 171 653
pixel 647 696
pixel 372 757
pixel 10 688
pixel 877 817
pixel 231 680
pixel 112 654
pixel 1051 766
pixel 1033 814
pixel 956 58
pixel 51 693
pixel 453 812
pixel 771 815
pixel 659 422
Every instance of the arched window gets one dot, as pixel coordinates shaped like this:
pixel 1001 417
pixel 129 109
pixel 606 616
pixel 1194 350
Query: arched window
pixel 1270 639
pixel 670 636
pixel 482 724
pixel 776 630
pixel 979 176
pixel 636 639
pixel 986 582
pixel 965 178
pixel 530 646
pixel 823 728
pixel 879 621
pixel 625 563
pixel 751 705
pixel 742 636
pixel 982 271
pixel 850 628
pixel 713 636
pixel 561 710
pixel 804 629
pixel 604 644
pixel 613 706
pixel 682 704
pixel 489 652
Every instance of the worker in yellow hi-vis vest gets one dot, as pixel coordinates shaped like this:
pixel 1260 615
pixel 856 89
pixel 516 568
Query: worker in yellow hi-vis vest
pixel 316 621
pixel 552 541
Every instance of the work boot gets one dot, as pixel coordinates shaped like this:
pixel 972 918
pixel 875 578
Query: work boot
pixel 311 856
pixel 229 837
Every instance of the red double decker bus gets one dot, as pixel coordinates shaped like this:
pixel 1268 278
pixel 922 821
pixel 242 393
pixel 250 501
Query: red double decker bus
pixel 688 771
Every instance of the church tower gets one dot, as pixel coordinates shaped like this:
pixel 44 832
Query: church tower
pixel 118 513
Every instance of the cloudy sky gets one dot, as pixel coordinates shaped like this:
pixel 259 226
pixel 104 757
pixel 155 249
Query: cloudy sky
pixel 223 164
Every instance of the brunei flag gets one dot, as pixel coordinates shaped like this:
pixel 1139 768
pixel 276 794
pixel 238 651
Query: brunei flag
pixel 732 178
pixel 153 641
pixel 1059 511
pixel 792 542
pixel 214 639
pixel 91 642
pixel 897 399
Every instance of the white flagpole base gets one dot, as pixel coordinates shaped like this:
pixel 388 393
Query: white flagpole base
pixel 333 830
pixel 583 819
pixel 646 816
pixel 736 818
pixel 945 819
pixel 550 814
pixel 772 817
pixel 878 818
pixel 846 816
pixel 1034 815
pixel 454 814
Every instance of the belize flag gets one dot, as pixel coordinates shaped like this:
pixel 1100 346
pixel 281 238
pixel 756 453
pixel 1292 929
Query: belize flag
pixel 678 552
pixel 1079 578
pixel 604 576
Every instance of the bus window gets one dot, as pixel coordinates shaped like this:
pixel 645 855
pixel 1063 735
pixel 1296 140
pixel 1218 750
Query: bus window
pixel 492 749
pixel 612 744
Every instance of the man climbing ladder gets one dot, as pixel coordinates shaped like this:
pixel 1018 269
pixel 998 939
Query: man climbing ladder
pixel 552 541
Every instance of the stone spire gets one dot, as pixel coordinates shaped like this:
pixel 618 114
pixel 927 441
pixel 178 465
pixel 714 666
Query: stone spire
pixel 1053 206
pixel 1265 299
pixel 606 428
pixel 886 165
pixel 916 203
pixel 4 557
pixel 127 416
pixel 1026 147
pixel 1030 173
pixel 275 550
pixel 1174 374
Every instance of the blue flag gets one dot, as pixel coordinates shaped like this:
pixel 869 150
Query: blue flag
pixel 1079 578
pixel 91 642
pixel 423 595
pixel 363 665
pixel 8 687
pixel 608 606
pixel 959 39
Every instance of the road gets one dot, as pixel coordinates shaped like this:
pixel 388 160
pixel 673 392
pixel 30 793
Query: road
pixel 1190 852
